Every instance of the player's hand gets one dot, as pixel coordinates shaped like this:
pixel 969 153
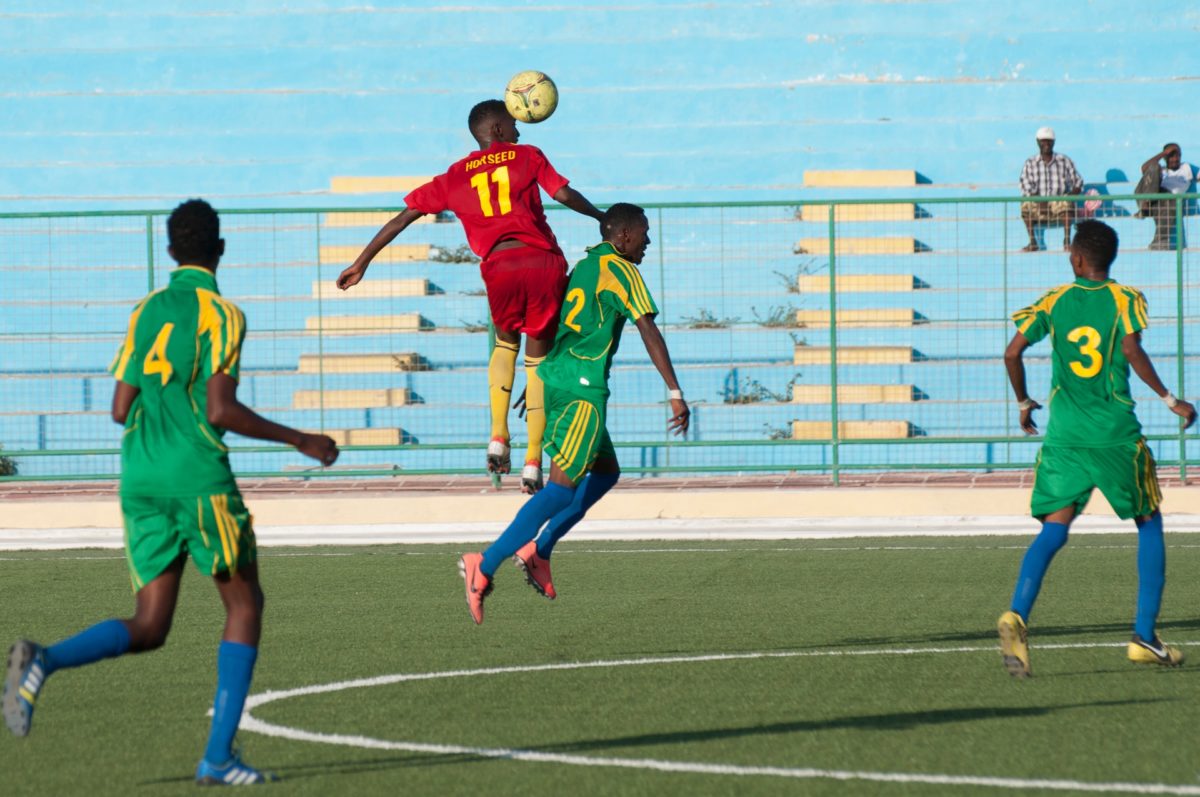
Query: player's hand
pixel 1186 411
pixel 680 417
pixel 1027 424
pixel 351 276
pixel 320 447
pixel 519 404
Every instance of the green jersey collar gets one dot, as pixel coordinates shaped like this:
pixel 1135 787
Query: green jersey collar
pixel 194 277
pixel 605 248
pixel 1084 282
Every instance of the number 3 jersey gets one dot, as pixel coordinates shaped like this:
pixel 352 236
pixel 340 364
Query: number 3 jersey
pixel 494 193
pixel 178 338
pixel 1090 405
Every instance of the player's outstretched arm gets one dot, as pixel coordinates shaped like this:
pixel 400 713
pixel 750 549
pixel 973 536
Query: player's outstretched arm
pixel 224 410
pixel 1139 361
pixel 1014 363
pixel 577 202
pixel 656 347
pixel 387 233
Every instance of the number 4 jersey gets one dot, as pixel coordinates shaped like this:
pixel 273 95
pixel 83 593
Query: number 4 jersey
pixel 1090 405
pixel 178 338
pixel 494 193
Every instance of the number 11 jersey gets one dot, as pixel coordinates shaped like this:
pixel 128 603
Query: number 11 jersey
pixel 494 193
pixel 1090 405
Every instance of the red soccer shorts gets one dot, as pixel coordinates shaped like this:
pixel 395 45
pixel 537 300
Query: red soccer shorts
pixel 525 289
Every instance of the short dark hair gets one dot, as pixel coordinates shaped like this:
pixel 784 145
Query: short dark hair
pixel 194 232
pixel 1096 242
pixel 483 114
pixel 1171 144
pixel 620 216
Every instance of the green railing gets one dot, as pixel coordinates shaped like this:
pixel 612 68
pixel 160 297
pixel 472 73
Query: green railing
pixel 758 299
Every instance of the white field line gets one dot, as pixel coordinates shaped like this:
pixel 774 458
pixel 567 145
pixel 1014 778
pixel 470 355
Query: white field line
pixel 255 725
pixel 630 551
pixel 669 529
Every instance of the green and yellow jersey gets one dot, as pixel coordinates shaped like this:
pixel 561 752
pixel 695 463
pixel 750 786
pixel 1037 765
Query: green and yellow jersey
pixel 178 337
pixel 603 292
pixel 1090 405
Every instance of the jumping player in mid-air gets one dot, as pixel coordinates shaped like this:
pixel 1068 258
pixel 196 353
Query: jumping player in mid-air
pixel 605 290
pixel 176 395
pixel 494 193
pixel 1093 438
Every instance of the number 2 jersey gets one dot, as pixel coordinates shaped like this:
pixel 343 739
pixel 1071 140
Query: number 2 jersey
pixel 494 193
pixel 604 291
pixel 1090 405
pixel 178 338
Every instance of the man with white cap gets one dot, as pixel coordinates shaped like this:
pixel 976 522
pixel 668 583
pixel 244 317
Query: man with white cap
pixel 1048 174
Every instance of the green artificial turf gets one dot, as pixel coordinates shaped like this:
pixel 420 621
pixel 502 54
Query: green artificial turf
pixel 844 692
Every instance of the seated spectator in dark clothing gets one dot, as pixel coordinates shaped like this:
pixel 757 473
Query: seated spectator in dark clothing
pixel 1175 177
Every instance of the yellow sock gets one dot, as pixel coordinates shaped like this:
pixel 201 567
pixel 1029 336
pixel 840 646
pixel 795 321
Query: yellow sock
pixel 535 409
pixel 502 369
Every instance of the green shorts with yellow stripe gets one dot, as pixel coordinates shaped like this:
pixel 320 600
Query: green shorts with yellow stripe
pixel 1124 473
pixel 216 531
pixel 575 432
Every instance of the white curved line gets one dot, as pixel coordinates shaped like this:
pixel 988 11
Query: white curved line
pixel 255 725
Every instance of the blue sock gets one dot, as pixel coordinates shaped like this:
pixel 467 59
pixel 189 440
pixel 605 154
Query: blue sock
pixel 235 668
pixel 545 504
pixel 590 490
pixel 1033 568
pixel 1152 574
pixel 102 641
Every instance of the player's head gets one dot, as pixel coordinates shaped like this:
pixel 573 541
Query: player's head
pixel 1174 155
pixel 194 235
pixel 490 121
pixel 1094 247
pixel 1045 140
pixel 626 227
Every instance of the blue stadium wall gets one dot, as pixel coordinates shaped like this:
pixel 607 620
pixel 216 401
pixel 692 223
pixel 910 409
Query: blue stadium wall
pixel 251 104
pixel 139 103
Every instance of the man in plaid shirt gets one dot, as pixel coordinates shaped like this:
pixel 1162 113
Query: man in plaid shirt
pixel 1048 174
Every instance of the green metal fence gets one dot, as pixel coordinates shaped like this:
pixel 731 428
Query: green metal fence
pixel 819 336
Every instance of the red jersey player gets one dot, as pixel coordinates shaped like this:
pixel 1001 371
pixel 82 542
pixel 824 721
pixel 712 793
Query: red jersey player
pixel 494 193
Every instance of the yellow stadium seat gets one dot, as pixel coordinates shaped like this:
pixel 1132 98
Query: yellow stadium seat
pixel 404 322
pixel 854 319
pixel 350 399
pixel 851 430
pixel 854 355
pixel 859 178
pixel 853 394
pixel 361 363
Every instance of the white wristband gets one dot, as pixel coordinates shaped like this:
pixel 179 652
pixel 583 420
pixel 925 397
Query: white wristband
pixel 677 395
pixel 1169 400
pixel 1027 404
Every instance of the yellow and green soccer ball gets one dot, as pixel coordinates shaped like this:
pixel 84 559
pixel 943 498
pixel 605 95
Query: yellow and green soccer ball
pixel 531 97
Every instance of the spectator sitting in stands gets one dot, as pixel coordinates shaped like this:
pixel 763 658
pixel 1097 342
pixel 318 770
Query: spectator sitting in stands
pixel 1048 174
pixel 1176 177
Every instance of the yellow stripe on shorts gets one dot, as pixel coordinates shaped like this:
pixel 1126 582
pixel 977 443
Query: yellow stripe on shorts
pixel 221 529
pixel 577 430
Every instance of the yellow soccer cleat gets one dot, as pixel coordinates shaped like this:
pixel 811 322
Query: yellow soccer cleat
pixel 1014 645
pixel 1156 652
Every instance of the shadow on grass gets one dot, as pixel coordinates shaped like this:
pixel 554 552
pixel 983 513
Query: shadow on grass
pixel 1119 631
pixel 353 767
pixel 901 721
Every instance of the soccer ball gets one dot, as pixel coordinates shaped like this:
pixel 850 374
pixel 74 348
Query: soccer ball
pixel 531 97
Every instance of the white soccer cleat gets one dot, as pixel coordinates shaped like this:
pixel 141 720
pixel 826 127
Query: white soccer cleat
pixel 498 456
pixel 531 478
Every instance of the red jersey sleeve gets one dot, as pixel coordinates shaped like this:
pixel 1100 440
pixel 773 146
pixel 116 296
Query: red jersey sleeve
pixel 547 177
pixel 433 197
